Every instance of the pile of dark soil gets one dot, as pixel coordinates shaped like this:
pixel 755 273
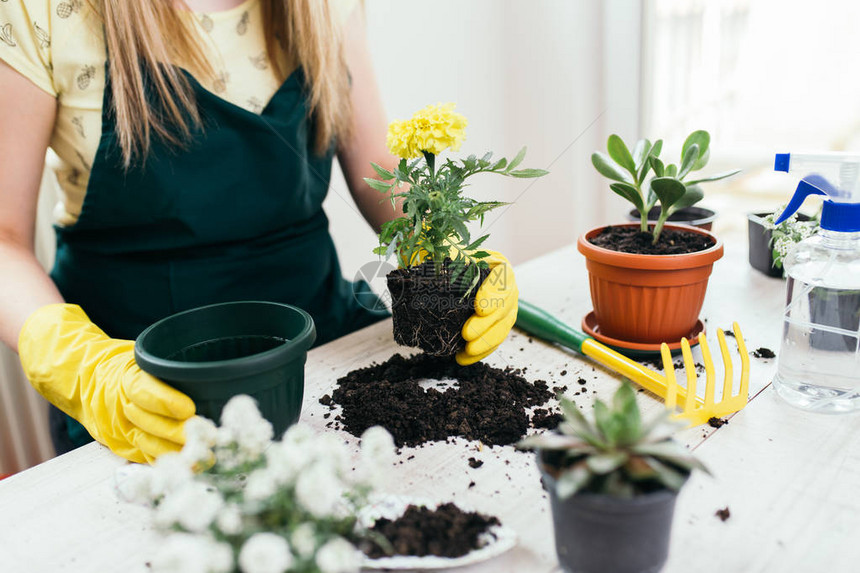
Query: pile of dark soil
pixel 446 531
pixel 763 352
pixel 632 240
pixel 428 310
pixel 482 403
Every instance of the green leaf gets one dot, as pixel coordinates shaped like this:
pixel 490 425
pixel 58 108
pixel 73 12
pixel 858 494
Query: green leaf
pixel 377 184
pixel 640 153
pixel 499 165
pixel 579 424
pixel 668 190
pixel 629 192
pixel 656 148
pixel 517 159
pixel 703 160
pixel 624 403
pixel 551 441
pixel 571 481
pixel 476 243
pixel 691 154
pixel 608 168
pixel 604 421
pixel 671 170
pixel 528 173
pixel 604 463
pixel 382 172
pixel 702 139
pixel 657 166
pixel 670 477
pixel 672 452
pixel 693 195
pixel 716 177
pixel 461 230
pixel 620 154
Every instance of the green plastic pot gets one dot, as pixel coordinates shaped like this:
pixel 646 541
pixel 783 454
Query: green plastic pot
pixel 215 352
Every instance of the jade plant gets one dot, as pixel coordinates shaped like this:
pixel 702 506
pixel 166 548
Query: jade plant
pixel 434 227
pixel 618 454
pixel 641 177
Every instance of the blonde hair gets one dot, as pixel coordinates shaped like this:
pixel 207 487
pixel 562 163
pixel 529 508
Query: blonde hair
pixel 144 36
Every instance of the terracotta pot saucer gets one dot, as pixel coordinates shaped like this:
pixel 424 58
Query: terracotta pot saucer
pixel 637 349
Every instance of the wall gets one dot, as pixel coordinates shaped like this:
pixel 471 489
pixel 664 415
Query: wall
pixel 523 73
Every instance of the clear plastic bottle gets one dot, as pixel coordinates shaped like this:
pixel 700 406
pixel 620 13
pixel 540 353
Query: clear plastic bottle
pixel 818 368
pixel 819 360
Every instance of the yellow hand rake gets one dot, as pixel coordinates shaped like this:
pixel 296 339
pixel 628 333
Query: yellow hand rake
pixel 681 400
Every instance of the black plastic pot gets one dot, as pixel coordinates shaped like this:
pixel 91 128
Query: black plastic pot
pixel 693 216
pixel 760 249
pixel 603 534
pixel 215 352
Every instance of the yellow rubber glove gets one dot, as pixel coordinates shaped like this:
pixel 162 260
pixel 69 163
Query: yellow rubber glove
pixel 495 311
pixel 94 379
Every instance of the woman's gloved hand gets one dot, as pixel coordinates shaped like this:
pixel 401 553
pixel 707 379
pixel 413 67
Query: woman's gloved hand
pixel 94 379
pixel 495 311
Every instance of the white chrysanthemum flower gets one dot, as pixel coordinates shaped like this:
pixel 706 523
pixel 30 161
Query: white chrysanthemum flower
pixel 239 412
pixel 286 460
pixel 135 485
pixel 220 558
pixel 338 556
pixel 298 435
pixel 304 540
pixel 265 553
pixel 192 506
pixel 244 434
pixel 200 430
pixel 187 553
pixel 229 520
pixel 260 486
pixel 170 472
pixel 319 490
pixel 241 423
pixel 331 449
pixel 377 446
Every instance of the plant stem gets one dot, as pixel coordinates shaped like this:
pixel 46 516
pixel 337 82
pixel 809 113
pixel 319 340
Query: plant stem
pixel 658 228
pixel 431 163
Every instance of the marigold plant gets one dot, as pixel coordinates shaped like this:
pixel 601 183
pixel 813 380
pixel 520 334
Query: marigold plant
pixel 434 225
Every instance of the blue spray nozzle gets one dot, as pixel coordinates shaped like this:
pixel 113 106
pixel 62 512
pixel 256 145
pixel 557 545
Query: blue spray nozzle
pixel 804 190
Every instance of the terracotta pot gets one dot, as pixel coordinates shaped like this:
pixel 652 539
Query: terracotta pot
pixel 648 298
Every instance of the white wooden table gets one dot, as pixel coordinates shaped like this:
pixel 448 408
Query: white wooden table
pixel 789 479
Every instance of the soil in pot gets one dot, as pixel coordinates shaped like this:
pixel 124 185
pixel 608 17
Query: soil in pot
pixel 428 310
pixel 632 240
pixel 479 402
pixel 446 531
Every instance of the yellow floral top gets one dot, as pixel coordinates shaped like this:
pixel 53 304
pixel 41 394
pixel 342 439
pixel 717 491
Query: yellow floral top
pixel 59 46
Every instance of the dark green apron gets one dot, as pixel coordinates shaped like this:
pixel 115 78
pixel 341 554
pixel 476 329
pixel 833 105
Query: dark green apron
pixel 235 215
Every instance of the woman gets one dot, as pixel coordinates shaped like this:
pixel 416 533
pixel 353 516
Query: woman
pixel 195 142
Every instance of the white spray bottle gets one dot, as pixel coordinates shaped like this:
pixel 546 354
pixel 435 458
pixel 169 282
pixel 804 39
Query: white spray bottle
pixel 819 360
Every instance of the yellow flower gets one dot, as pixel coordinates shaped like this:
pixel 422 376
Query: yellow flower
pixel 432 129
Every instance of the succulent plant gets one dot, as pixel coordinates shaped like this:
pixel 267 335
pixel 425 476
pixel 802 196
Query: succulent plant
pixel 668 186
pixel 617 455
